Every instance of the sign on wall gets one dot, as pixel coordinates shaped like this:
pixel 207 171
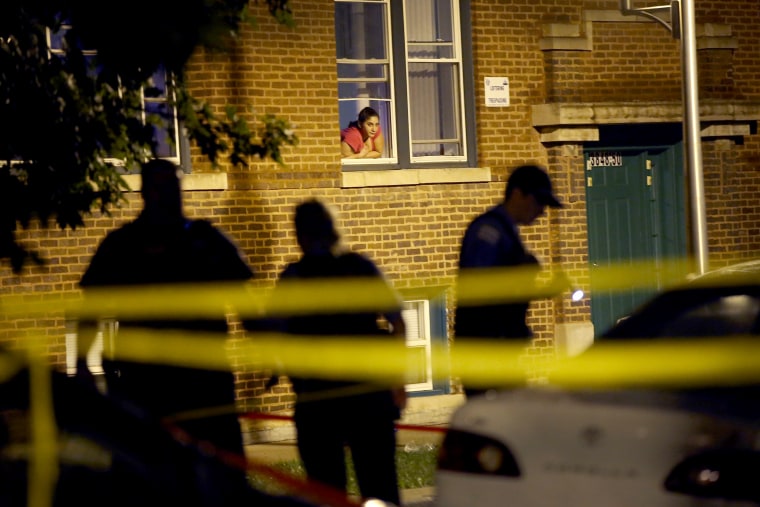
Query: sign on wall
pixel 497 91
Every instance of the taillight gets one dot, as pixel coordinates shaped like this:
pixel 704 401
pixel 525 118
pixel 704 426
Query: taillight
pixel 731 474
pixel 465 452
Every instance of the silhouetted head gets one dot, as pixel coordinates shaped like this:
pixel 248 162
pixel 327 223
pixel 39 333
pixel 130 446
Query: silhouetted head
pixel 315 227
pixel 161 192
pixel 528 193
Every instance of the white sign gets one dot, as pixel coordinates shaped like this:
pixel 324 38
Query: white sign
pixel 497 91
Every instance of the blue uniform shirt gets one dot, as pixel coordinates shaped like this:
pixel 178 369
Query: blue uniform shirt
pixel 492 240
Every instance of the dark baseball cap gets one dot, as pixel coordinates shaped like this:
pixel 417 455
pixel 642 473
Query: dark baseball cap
pixel 532 179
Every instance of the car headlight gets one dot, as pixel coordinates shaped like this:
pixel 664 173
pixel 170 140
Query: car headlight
pixel 731 474
pixel 462 451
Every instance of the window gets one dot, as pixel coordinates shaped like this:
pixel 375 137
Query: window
pixel 417 319
pixel 106 332
pixel 157 104
pixel 410 60
pixel 424 314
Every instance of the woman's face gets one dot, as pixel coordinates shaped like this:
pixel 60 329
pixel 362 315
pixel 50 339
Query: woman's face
pixel 370 126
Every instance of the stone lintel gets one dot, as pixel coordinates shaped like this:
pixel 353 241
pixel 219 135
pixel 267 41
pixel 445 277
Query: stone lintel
pixel 561 30
pixel 587 114
pixel 713 30
pixel 717 43
pixel 567 135
pixel 568 37
pixel 726 130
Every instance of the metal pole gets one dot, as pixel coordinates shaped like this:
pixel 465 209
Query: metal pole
pixel 692 138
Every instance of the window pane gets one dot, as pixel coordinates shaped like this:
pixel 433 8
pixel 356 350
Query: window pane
pixel 426 50
pixel 434 85
pixel 156 95
pixel 163 127
pixel 363 80
pixel 349 111
pixel 417 372
pixel 368 71
pixel 360 31
pixel 363 89
pixel 429 27
pixel 157 85
pixel 56 39
pixel 364 77
pixel 434 108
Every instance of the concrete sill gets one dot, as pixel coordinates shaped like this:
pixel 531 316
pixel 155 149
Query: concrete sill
pixel 192 181
pixel 407 177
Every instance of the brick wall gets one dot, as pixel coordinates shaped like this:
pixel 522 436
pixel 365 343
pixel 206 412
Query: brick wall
pixel 413 232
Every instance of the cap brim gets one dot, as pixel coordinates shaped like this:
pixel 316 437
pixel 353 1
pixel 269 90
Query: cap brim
pixel 548 200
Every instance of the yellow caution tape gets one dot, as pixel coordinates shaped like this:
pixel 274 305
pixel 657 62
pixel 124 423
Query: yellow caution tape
pixel 329 295
pixel 652 363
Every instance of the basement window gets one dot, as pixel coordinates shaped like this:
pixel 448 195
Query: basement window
pixel 426 331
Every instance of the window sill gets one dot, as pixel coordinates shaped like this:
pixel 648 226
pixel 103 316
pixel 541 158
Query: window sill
pixel 192 181
pixel 406 177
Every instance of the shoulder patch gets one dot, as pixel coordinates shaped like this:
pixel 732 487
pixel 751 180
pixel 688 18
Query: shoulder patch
pixel 489 234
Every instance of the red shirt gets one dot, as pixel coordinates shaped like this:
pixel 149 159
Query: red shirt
pixel 352 135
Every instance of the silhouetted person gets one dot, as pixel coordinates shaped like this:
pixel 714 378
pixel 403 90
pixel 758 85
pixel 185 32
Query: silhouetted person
pixel 161 246
pixel 492 240
pixel 333 414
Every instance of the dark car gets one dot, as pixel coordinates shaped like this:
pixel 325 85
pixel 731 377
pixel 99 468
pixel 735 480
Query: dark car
pixel 723 302
pixel 696 444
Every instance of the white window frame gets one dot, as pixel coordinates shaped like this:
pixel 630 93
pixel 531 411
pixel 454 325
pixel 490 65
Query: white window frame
pixel 399 139
pixel 416 314
pixel 456 47
pixel 393 157
pixel 106 332
pixel 169 99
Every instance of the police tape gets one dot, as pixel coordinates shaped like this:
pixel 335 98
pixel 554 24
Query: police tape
pixel 328 295
pixel 481 362
pixel 632 363
pixel 43 459
pixel 265 416
pixel 629 363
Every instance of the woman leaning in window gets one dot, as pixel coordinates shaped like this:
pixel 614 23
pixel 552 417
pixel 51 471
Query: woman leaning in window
pixel 363 138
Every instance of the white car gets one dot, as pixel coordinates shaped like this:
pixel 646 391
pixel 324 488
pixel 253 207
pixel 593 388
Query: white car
pixel 639 448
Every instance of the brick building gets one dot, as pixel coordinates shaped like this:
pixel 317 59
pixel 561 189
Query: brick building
pixel 580 88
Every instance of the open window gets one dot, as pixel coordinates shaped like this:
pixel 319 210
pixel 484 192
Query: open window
pixel 410 61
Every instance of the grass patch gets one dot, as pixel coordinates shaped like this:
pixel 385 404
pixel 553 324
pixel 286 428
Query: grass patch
pixel 415 466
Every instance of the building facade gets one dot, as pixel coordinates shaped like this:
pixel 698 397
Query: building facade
pixel 467 90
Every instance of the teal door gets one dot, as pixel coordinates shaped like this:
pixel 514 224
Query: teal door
pixel 635 210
